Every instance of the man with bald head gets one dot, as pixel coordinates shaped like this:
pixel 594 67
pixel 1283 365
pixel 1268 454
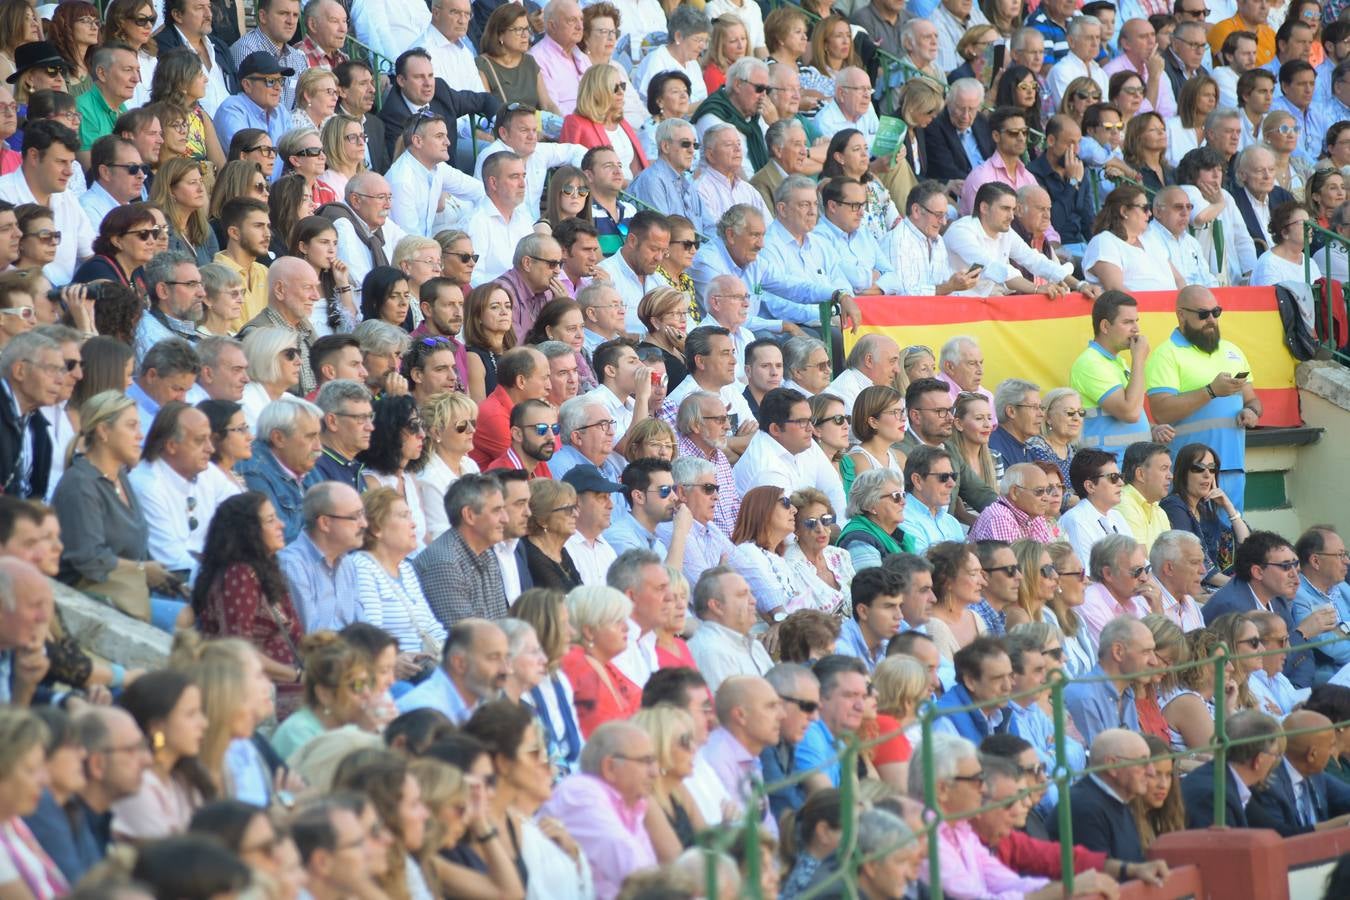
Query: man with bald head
pixel 750 720
pixel 522 374
pixel 1297 797
pixel 26 604
pixel 1139 54
pixel 1019 514
pixel 292 291
pixel 1061 172
pixel 367 237
pixel 874 360
pixel 1125 648
pixel 1102 819
pixel 472 672
pixel 318 567
pixel 1255 753
pixel 1172 209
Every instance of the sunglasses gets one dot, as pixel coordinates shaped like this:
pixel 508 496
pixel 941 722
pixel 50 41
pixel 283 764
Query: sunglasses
pixel 824 521
pixel 758 88
pixel 944 477
pixel 574 190
pixel 1049 571
pixel 466 425
pixel 1037 492
pixel 785 502
pixel 133 169
pixel 663 491
pixel 543 428
pixel 551 263
pixel 708 489
pixel 1250 642
pixel 1010 571
pixel 689 145
pixel 896 497
pixel 272 82
pixel 141 21
pixel 841 419
pixel 146 234
pixel 23 312
pixel 309 152
pixel 265 149
pixel 46 235
pixel 1204 314
pixel 1199 468
pixel 1145 569
pixel 464 258
pixel 1080 574
pixel 1113 477
pixel 807 706
pixel 689 245
pixel 1076 413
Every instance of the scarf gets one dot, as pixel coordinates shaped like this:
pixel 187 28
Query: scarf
pixel 719 105
pixel 864 525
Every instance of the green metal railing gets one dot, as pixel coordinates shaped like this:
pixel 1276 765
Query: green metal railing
pixel 1325 297
pixel 746 832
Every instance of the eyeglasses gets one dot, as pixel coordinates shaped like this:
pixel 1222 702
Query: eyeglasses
pixel 895 497
pixel 268 81
pixel 840 419
pixel 46 235
pixel 23 312
pixel 575 190
pixel 606 425
pixel 551 263
pixel 663 491
pixel 1113 477
pixel 1250 642
pixel 1037 771
pixel 360 417
pixel 88 20
pixel 1288 565
pixel 1038 492
pixel 146 234
pixel 1138 571
pixel 1080 574
pixel 196 283
pixel 358 516
pixel 1011 571
pixel 944 477
pixel 708 489
pixel 807 706
pixel 380 198
pixel 1341 554
pixel 464 258
pixel 1203 314
pixel 309 152
pixel 265 149
pixel 689 145
pixel 824 521
pixel 466 425
pixel 648 760
pixel 543 428
pixel 941 412
pixel 800 423
pixel 1133 90
pixel 132 168
pixel 358 137
pixel 73 364
pixel 855 205
pixel 977 778
pixel 1014 132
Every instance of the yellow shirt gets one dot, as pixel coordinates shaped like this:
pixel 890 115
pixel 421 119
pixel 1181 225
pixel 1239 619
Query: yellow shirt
pixel 1146 520
pixel 255 287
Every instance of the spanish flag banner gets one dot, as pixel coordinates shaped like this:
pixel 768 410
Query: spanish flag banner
pixel 1033 337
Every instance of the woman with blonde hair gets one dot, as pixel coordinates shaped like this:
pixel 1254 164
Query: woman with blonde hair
pixel 919 102
pixel 552 520
pixel 1058 440
pixel 132 22
pixel 832 45
pixel 457 257
pixel 1187 697
pixel 450 420
pixel 526 664
pixel 316 98
pixel 180 82
pixel 728 42
pixel 598 120
pixel 27 872
pixel 1081 93
pixel 813 551
pixel 301 152
pixel 385 779
pixel 1280 133
pixel 901 684
pixel 650 439
pixel 180 192
pixel 1080 648
pixel 553 701
pixel 672 732
pixel 344 146
pixel 18 25
pixel 1170 643
pixel 972 424
pixel 664 312
pixel 671 649
pixel 238 178
pixel 273 369
pixel 339 687
pixel 1242 637
pixel 418 258
pixel 599 616
pixel 1040 580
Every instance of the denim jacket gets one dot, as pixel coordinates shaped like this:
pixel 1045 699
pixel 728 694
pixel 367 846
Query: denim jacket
pixel 264 474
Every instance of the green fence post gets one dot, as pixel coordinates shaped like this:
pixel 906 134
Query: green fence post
pixel 930 800
pixel 1063 810
pixel 1220 738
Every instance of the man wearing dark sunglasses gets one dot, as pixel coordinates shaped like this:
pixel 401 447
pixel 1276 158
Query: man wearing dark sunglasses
pixel 931 481
pixel 118 176
pixel 1020 513
pixel 799 692
pixel 649 490
pixel 697 489
pixel 666 184
pixel 534 428
pixel 1199 384
pixel 1121 585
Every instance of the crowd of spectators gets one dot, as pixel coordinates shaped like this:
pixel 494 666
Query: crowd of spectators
pixel 449 380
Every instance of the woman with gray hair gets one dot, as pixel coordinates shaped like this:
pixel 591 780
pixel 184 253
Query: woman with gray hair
pixel 876 507
pixel 1064 415
pixel 224 302
pixel 273 369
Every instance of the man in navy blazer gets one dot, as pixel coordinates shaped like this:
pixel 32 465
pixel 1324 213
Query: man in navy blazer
pixel 416 88
pixel 184 24
pixel 1254 178
pixel 1265 576
pixel 947 137
pixel 1100 802
pixel 1248 765
pixel 1298 797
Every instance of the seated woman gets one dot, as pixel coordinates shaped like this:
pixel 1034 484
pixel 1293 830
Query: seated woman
pixel 764 522
pixel 167 708
pixel 1187 697
pixel 830 423
pixel 901 684
pixel 1160 810
pixel 1199 96
pixel 525 661
pixel 671 649
pixel 1284 260
pixel 552 700
pixel 314 239
pixel 125 243
pixel 241 591
pixel 1197 504
pixel 61 846
pixel 672 732
pixel 786 38
pixel 561 320
pixel 396 454
pixel 1324 195
pixel 1145 148
pixel 316 98
pixel 664 312
pixel 553 519
pixel 674 273
pixel 650 439
pixel 38 237
pixel 487 335
pixel 1122 255
pixel 239 178
pixel 1040 580
pixel 385 296
pixel 450 420
pixel 288 202
pixel 876 508
pixel 811 837
pixel 247 831
pixel 344 146
pixel 1281 133
pixel 179 191
pixel 339 688
pixel 832 566
pixel 273 369
pixel 457 257
pixel 508 71
pixel 224 302
pixel 1080 648
pixel 180 81
pixel 599 122
pixel 301 153
pixel 807 635
pixel 599 617
pixel 848 154
pixel 567 196
pixel 1170 647
pixel 384 779
pixel 958 584
pixel 387 588
pixel 1240 634
pixel 879 424
pixel 667 98
pixel 1059 435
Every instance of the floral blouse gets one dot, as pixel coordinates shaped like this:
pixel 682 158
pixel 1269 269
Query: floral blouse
pixel 880 211
pixel 840 564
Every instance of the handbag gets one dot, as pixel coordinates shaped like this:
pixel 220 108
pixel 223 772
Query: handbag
pixel 125 588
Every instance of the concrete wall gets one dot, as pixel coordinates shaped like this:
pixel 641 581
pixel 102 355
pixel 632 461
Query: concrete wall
pixel 110 634
pixel 1319 485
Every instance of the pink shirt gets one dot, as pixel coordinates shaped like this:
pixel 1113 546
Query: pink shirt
pixel 970 869
pixel 737 768
pixel 954 389
pixel 993 169
pixel 1167 104
pixel 1099 607
pixel 609 832
pixel 561 71
pixel 1001 521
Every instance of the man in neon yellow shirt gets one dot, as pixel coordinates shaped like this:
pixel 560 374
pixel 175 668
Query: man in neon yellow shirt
pixel 1148 476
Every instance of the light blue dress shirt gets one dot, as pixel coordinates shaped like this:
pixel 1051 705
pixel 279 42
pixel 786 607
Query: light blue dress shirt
pixel 673 193
pixel 713 260
pixel 325 597
pixel 852 643
pixel 238 112
pixel 1308 598
pixel 858 255
pixel 437 692
pixel 1312 133
pixel 971 146
pixel 1097 706
pixel 801 276
pixel 924 529
pixel 627 533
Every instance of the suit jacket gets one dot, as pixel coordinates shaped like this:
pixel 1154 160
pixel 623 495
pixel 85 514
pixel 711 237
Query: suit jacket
pixel 767 180
pixel 1237 596
pixel 447 103
pixel 523 566
pixel 169 39
pixel 1274 805
pixel 1197 790
pixel 11 446
pixel 1277 196
pixel 946 157
pixel 1101 823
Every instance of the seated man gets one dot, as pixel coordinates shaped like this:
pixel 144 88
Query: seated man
pixel 284 453
pixel 1102 818
pixel 1120 586
pixel 984 241
pixel 1298 797
pixel 1019 513
pixel 1253 756
pixel 723 646
pixel 1148 479
pixel 1126 648
pixel 850 107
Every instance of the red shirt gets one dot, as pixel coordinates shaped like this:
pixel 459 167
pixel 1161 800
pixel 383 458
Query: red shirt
pixel 1027 855
pixel 509 460
pixel 596 703
pixel 680 657
pixel 493 436
pixel 896 748
pixel 1151 719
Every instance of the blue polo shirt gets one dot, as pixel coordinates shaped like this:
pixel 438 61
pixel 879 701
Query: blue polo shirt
pixel 818 749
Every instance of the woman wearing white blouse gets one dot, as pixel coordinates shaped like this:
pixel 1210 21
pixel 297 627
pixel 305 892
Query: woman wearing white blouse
pixel 387 588
pixel 450 420
pixel 395 453
pixel 1284 261
pixel 766 520
pixel 1122 255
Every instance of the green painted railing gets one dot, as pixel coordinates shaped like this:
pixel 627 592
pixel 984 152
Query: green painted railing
pixel 747 830
pixel 1311 231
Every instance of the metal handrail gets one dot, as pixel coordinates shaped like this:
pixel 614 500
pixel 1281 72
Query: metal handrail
pixel 847 757
pixel 1310 230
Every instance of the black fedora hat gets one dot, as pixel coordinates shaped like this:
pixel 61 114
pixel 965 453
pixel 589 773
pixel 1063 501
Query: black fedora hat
pixel 37 55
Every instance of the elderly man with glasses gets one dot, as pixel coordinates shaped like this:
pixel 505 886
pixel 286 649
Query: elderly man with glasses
pixel 1019 514
pixel 261 79
pixel 318 565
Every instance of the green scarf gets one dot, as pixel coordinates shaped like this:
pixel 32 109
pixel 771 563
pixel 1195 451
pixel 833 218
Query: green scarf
pixel 718 104
pixel 864 524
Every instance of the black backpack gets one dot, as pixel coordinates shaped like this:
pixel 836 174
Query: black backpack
pixel 1298 337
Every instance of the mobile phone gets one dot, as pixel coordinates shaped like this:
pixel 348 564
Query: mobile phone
pixel 1242 374
pixel 975 267
pixel 999 51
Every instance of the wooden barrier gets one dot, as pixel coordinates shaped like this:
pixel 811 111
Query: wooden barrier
pixel 1185 881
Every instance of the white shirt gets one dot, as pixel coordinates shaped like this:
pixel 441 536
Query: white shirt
pixel 1227 80
pixel 968 242
pixel 1144 268
pixel 495 238
pixel 748 12
pixel 546 156
pixel 766 461
pixel 172 504
pixel 216 89
pixel 1271 269
pixel 592 558
pixel 830 120
pixel 356 255
pixel 848 386
pixel 62 432
pixel 721 653
pixel 432 483
pixel 630 287
pixel 253 401
pixel 637 19
pixel 660 60
pixel 97 203
pixel 1084 526
pixel 389 26
pixel 77 237
pixel 418 191
pixel 450 62
pixel 638 659
pixel 505 551
pixel 1070 67
pixel 1261 208
pixel 1239 249
pixel 1186 255
pixel 141 95
pixel 621 409
pixel 1180 141
pixel 921 264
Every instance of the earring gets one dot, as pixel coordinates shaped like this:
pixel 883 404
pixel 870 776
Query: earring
pixel 157 741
